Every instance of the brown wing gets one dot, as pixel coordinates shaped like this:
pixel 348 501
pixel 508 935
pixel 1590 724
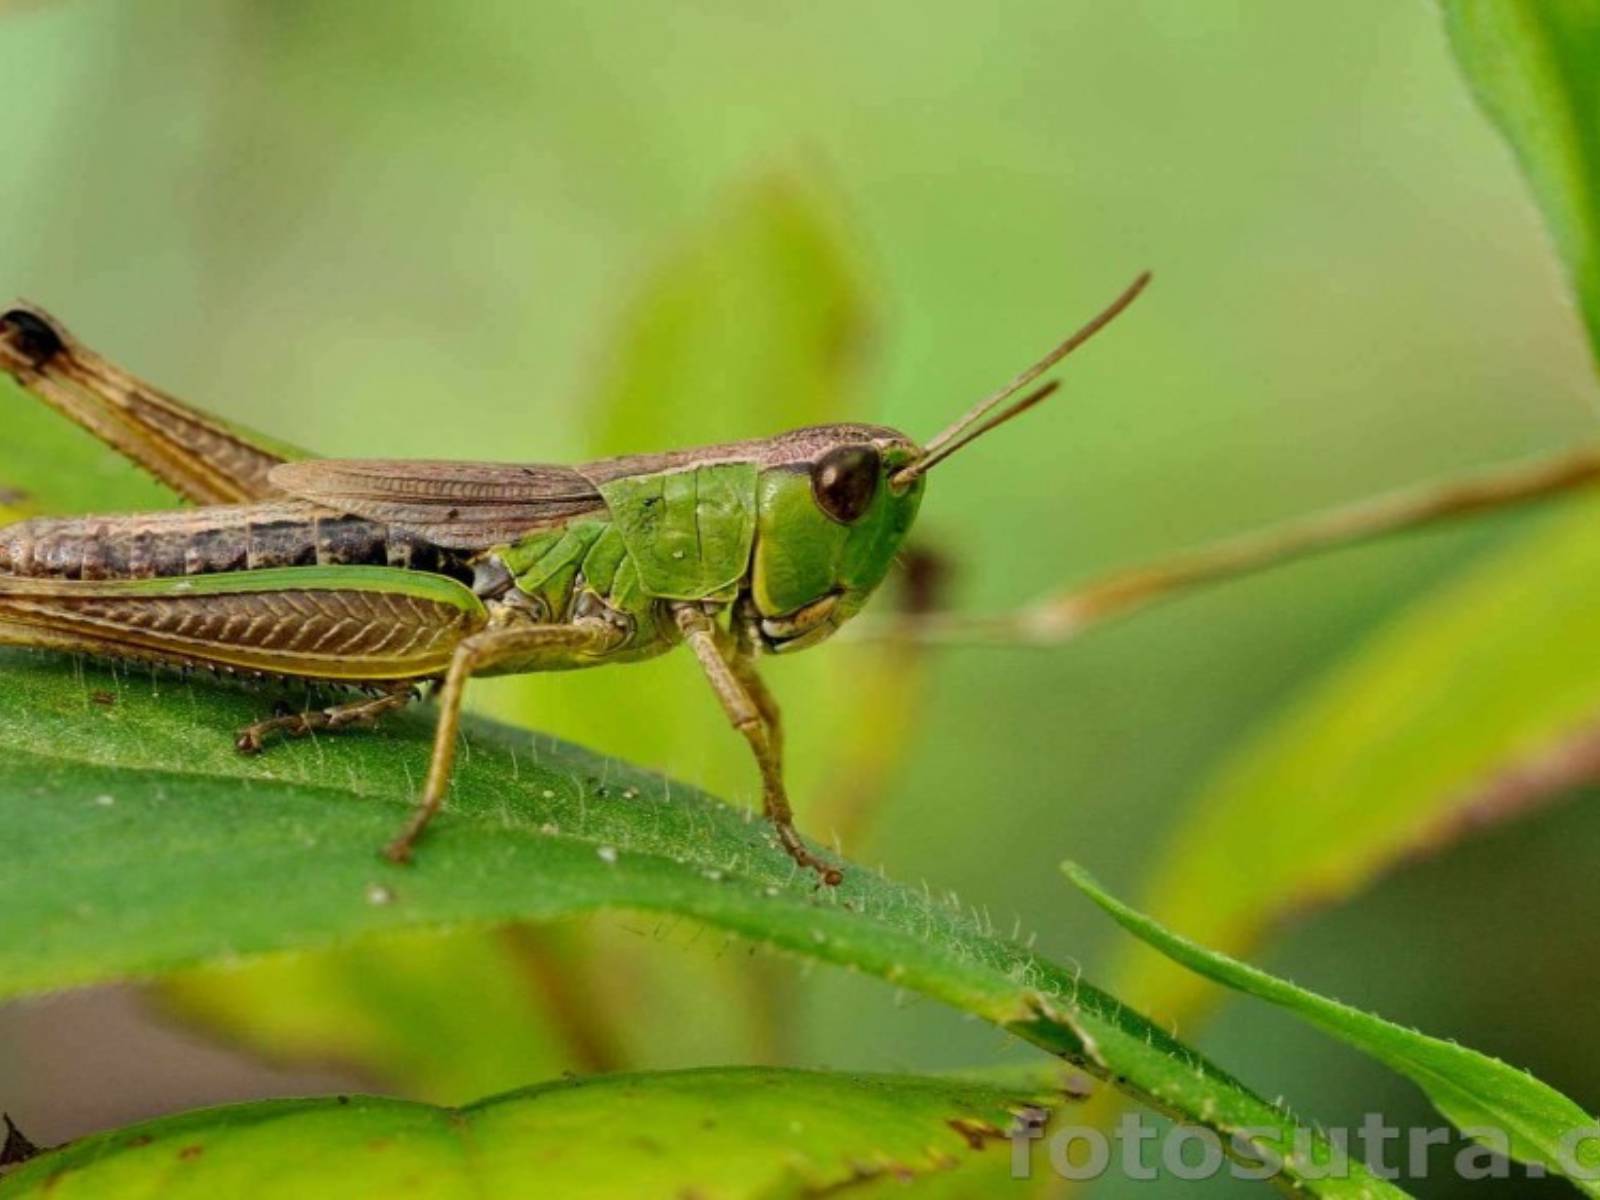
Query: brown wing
pixel 460 505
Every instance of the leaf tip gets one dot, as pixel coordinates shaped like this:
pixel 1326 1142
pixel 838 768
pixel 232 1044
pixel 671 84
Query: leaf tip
pixel 1081 878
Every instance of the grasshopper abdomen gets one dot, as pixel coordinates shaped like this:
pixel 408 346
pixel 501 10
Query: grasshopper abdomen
pixel 212 541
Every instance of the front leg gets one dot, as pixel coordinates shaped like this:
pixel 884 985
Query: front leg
pixel 739 650
pixel 751 710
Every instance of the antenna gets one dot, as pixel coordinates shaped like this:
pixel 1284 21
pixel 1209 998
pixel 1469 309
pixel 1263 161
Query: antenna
pixel 972 425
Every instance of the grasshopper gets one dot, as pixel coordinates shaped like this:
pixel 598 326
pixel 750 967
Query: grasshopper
pixel 386 575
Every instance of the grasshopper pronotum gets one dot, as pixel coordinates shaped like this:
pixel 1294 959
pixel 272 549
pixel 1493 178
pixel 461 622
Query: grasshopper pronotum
pixel 389 574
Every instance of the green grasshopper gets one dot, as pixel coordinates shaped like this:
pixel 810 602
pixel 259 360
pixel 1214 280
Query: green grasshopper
pixel 386 575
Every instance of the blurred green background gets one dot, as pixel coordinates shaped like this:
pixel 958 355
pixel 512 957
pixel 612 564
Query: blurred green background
pixel 431 231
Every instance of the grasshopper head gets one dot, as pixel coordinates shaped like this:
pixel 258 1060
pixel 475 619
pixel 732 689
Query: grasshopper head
pixel 828 526
pixel 835 503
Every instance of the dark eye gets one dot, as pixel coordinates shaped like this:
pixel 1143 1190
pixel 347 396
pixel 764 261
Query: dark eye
pixel 844 481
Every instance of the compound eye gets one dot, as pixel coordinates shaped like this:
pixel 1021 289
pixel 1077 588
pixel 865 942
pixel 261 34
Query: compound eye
pixel 844 481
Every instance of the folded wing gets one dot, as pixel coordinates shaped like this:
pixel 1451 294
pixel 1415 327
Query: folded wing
pixel 460 505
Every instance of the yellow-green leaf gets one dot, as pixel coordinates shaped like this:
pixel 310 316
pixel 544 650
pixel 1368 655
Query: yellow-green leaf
pixel 1376 760
pixel 726 1134
pixel 1477 1093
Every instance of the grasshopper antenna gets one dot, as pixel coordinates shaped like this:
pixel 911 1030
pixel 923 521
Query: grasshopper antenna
pixel 927 461
pixel 971 425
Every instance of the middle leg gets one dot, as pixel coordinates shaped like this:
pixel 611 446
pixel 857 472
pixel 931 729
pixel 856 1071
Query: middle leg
pixel 364 712
pixel 474 654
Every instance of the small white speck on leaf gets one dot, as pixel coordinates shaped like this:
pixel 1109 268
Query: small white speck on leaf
pixel 378 895
pixel 104 800
pixel 550 829
pixel 608 854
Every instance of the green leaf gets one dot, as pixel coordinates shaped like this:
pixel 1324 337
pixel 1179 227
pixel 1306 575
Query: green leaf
pixel 1535 69
pixel 717 1134
pixel 138 842
pixel 1473 1090
pixel 1386 755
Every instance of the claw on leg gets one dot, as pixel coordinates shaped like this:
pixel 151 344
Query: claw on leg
pixel 775 806
pixel 399 850
pixel 790 840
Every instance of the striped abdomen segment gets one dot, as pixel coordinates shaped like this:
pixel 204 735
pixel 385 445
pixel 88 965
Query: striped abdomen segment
pixel 369 624
pixel 210 541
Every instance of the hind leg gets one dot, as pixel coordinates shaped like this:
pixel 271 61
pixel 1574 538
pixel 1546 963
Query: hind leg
pixel 203 459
